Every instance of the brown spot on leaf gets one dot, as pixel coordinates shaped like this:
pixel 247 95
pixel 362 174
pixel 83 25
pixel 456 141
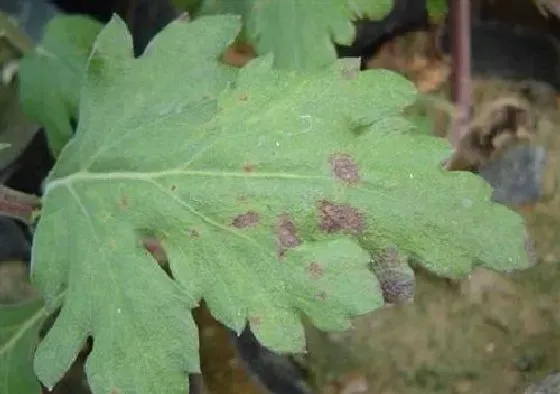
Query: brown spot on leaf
pixel 245 220
pixel 286 236
pixel 195 234
pixel 344 168
pixel 339 217
pixel 395 277
pixel 315 270
pixel 123 201
pixel 248 167
pixel 173 188
pixel 243 97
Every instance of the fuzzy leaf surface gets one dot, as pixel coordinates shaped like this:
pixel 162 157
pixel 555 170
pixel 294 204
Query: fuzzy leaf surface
pixel 140 319
pixel 19 334
pixel 51 75
pixel 250 200
pixel 299 33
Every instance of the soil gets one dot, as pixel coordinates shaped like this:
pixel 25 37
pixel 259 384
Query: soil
pixel 490 333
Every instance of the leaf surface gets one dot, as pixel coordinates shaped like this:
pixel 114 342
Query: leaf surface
pixel 300 34
pixel 51 75
pixel 261 204
pixel 140 319
pixel 19 334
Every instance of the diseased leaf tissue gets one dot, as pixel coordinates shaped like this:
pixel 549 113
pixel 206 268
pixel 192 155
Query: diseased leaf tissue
pixel 258 190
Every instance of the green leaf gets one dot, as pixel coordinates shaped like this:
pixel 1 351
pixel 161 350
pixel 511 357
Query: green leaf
pixel 51 75
pixel 300 34
pixel 4 146
pixel 19 334
pixel 140 319
pixel 251 200
pixel 237 7
pixel 437 9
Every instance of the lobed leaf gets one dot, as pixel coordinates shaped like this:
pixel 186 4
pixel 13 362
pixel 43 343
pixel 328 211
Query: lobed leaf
pixel 262 202
pixel 51 75
pixel 300 34
pixel 119 295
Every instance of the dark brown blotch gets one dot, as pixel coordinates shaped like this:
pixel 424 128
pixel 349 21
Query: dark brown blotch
pixel 286 234
pixel 194 234
pixel 340 217
pixel 248 167
pixel 315 270
pixel 173 188
pixel 395 276
pixel 344 168
pixel 246 220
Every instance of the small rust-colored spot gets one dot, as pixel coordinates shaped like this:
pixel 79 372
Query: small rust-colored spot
pixel 344 168
pixel 195 234
pixel 154 247
pixel 254 320
pixel 286 236
pixel 315 270
pixel 339 217
pixel 245 220
pixel 321 296
pixel 243 97
pixel 173 188
pixel 248 167
pixel 124 202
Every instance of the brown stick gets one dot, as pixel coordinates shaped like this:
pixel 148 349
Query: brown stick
pixel 461 66
pixel 18 205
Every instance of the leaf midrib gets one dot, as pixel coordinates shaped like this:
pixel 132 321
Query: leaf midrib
pixel 144 176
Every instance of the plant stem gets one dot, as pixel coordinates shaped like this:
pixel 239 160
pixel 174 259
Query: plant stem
pixel 18 205
pixel 461 66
